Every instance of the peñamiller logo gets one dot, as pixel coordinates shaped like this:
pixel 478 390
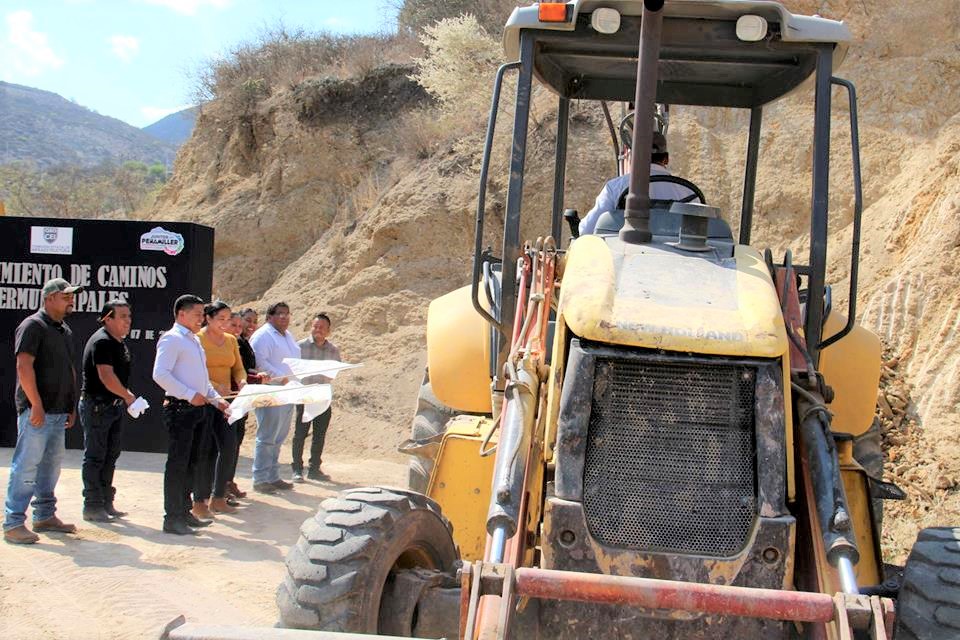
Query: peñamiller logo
pixel 159 239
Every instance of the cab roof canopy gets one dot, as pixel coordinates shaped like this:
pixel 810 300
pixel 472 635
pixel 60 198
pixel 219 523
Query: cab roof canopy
pixel 702 61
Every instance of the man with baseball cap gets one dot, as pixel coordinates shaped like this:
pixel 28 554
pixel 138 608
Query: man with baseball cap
pixel 46 400
pixel 611 196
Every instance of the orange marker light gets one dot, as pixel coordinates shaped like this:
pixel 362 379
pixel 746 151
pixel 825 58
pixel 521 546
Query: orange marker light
pixel 554 12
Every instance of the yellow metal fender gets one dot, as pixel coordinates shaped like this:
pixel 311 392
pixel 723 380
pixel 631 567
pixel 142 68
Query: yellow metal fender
pixel 458 353
pixel 852 367
pixel 461 481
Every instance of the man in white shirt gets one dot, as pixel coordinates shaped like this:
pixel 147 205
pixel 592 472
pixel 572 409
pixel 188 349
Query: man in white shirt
pixel 272 343
pixel 180 369
pixel 612 192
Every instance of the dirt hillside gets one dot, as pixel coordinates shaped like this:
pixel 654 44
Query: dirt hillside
pixel 330 197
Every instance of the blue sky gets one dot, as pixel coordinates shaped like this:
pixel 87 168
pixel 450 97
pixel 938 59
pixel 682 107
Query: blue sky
pixel 134 59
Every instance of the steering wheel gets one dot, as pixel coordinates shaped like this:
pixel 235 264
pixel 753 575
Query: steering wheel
pixel 683 182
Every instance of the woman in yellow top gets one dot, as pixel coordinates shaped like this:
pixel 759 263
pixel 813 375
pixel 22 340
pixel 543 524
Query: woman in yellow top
pixel 217 448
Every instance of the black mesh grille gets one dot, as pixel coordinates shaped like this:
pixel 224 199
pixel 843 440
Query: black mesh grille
pixel 670 456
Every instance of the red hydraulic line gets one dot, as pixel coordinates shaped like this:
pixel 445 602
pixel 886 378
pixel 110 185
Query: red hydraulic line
pixel 801 606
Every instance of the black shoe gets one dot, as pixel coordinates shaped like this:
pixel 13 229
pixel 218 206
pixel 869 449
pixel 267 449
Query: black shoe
pixel 316 474
pixel 113 512
pixel 96 514
pixel 264 487
pixel 281 484
pixel 193 521
pixel 178 527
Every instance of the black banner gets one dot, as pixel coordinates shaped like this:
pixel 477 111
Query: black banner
pixel 148 264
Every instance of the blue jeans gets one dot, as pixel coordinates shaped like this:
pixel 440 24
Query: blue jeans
pixel 35 469
pixel 273 425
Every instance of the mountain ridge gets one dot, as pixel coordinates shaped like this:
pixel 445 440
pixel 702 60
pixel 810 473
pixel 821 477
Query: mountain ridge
pixel 46 129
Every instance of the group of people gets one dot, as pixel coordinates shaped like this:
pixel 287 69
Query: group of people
pixel 201 362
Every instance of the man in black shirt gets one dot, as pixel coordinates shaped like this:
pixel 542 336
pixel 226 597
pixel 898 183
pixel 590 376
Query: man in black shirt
pixel 103 398
pixel 46 398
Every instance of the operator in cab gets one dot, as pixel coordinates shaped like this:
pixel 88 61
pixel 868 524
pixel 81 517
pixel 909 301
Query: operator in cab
pixel 612 195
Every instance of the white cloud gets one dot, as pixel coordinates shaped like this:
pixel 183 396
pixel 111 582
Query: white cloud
pixel 124 47
pixel 335 22
pixel 190 7
pixel 28 51
pixel 152 114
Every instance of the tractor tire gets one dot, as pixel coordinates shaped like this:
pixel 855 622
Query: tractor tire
pixel 429 425
pixel 928 607
pixel 337 570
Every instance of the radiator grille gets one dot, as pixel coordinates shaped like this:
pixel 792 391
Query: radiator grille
pixel 670 462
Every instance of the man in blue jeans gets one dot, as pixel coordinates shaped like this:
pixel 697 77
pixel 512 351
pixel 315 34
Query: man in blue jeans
pixel 272 343
pixel 46 399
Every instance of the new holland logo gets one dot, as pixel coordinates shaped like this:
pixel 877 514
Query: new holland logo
pixel 159 239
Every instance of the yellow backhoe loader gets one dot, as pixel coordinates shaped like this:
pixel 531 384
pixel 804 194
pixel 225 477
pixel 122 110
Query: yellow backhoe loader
pixel 647 431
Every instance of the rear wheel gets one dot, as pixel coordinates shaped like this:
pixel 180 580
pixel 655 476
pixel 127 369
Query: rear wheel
pixel 429 425
pixel 355 545
pixel 928 607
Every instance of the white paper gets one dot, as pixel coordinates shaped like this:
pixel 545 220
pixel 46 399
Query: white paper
pixel 137 407
pixel 315 398
pixel 308 368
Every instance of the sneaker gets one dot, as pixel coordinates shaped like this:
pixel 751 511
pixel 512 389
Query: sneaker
pixel 316 474
pixel 195 522
pixel 96 514
pixel 282 484
pixel 264 487
pixel 297 477
pixel 20 535
pixel 54 524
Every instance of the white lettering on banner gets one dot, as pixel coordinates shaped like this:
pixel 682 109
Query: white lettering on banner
pixel 20 283
pixel 51 240
pixel 132 276
pixel 29 273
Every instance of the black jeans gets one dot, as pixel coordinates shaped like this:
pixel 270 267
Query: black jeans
pixel 216 456
pixel 301 430
pixel 240 426
pixel 184 423
pixel 102 424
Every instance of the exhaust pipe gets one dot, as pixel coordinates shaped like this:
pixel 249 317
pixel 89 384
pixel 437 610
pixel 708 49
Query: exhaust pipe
pixel 636 224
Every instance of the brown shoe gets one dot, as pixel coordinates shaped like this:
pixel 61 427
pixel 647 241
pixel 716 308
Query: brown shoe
pixel 55 525
pixel 233 489
pixel 219 505
pixel 201 510
pixel 20 535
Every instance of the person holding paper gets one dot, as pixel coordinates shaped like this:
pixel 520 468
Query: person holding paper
pixel 272 343
pixel 216 459
pixel 103 397
pixel 180 369
pixel 316 347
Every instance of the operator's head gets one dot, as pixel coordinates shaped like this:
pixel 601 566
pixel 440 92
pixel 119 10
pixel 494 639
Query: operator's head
pixel 658 147
pixel 658 150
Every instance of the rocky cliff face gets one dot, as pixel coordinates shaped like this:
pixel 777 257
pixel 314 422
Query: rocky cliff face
pixel 334 207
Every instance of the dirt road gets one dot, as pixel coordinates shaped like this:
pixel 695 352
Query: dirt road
pixel 126 580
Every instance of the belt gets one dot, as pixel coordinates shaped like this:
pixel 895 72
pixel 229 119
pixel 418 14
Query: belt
pixel 100 400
